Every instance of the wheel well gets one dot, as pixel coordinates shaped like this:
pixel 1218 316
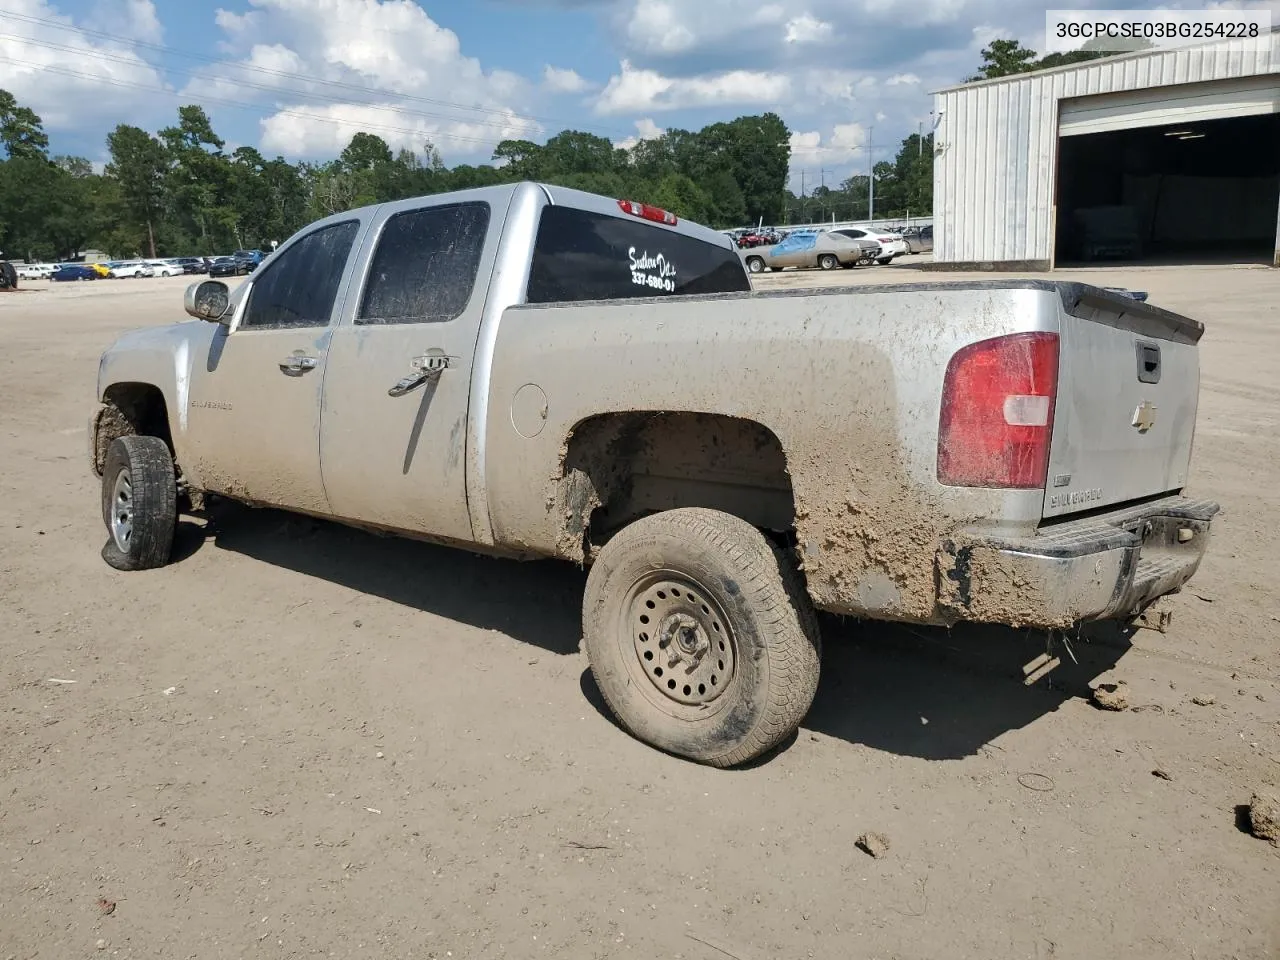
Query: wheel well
pixel 623 466
pixel 130 408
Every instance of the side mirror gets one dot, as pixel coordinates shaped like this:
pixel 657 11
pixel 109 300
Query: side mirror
pixel 208 300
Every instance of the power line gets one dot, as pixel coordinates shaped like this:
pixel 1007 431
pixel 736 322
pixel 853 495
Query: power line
pixel 254 68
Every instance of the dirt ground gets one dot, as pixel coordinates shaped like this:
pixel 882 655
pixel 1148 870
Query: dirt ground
pixel 304 741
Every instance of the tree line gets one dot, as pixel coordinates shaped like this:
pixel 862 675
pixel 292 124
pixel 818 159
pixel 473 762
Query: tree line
pixel 179 192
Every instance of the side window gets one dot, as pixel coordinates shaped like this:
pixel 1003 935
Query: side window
pixel 424 269
pixel 299 288
pixel 580 255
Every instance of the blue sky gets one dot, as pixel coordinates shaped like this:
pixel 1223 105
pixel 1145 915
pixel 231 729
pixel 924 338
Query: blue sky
pixel 297 78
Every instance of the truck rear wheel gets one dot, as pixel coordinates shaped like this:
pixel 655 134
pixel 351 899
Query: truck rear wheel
pixel 139 503
pixel 700 636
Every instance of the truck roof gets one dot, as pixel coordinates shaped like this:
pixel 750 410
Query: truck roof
pixel 559 196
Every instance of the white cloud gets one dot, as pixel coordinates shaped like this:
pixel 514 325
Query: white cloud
pixel 71 78
pixel 633 90
pixel 309 130
pixel 656 27
pixel 393 71
pixel 807 29
pixel 559 80
pixel 898 79
pixel 646 129
pixel 131 18
pixel 844 147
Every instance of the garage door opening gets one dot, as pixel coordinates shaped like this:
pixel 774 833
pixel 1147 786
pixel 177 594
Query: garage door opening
pixel 1199 191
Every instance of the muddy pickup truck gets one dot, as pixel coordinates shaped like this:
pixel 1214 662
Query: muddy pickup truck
pixel 532 371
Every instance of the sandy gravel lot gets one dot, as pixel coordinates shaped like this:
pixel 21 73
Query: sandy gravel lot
pixel 304 741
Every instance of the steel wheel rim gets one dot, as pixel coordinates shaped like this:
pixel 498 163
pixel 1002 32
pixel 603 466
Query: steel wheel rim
pixel 122 511
pixel 677 637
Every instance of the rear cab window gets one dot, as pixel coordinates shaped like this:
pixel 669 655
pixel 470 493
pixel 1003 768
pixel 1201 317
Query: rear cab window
pixel 583 255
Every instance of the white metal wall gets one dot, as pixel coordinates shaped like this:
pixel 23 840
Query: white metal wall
pixel 997 143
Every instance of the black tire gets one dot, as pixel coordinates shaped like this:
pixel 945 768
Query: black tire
pixel 733 612
pixel 151 501
pixel 8 276
pixel 755 264
pixel 828 261
pixel 885 261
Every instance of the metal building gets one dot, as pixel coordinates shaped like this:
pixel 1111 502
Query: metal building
pixel 1168 156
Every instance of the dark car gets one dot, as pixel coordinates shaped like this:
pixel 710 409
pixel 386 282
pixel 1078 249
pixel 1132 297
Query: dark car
pixel 227 267
pixel 191 264
pixel 250 259
pixel 74 271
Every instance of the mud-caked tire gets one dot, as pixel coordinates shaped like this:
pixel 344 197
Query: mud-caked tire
pixel 700 636
pixel 139 503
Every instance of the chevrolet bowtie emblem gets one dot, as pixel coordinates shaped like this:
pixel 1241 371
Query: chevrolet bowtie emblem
pixel 1144 417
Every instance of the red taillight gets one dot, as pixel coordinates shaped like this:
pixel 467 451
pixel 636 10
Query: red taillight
pixel 656 214
pixel 997 412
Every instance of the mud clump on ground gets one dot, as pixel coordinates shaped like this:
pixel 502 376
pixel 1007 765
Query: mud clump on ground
pixel 873 844
pixel 1111 696
pixel 1264 817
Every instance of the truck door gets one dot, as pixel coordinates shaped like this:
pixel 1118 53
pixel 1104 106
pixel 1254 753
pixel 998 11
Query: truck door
pixel 393 432
pixel 253 417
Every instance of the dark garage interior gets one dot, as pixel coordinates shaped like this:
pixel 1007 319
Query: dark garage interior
pixel 1199 192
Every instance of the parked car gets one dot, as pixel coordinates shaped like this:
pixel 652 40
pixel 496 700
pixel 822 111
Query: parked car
pixel 919 239
pixel 101 269
pixel 250 259
pixel 34 271
pixel 130 269
pixel 808 249
pixel 227 267
pixel 191 265
pixel 891 244
pixel 165 268
pixel 76 271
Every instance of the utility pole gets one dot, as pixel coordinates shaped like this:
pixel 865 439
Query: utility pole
pixel 920 137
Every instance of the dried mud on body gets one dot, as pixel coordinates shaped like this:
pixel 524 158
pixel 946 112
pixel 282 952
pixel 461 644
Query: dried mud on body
pixel 312 741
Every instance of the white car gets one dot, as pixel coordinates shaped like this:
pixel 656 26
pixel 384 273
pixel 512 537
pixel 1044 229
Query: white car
pixel 164 268
pixel 121 269
pixel 33 271
pixel 891 244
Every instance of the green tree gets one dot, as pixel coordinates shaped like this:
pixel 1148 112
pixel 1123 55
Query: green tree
pixel 198 181
pixel 756 150
pixel 139 165
pixel 1004 58
pixel 576 152
pixel 21 130
pixel 521 159
pixel 365 152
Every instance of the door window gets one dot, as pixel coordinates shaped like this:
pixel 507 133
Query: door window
pixel 298 289
pixel 425 267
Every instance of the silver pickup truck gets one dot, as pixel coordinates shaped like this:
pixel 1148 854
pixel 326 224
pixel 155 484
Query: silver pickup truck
pixel 533 371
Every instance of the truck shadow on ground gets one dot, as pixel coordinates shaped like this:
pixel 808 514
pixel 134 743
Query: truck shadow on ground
pixel 922 692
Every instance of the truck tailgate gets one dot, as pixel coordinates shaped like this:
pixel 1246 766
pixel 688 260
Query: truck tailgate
pixel 1128 388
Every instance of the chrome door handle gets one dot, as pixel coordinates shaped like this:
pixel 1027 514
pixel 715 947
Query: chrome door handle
pixel 297 363
pixel 429 366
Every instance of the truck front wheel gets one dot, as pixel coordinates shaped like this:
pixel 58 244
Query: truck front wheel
pixel 139 503
pixel 700 636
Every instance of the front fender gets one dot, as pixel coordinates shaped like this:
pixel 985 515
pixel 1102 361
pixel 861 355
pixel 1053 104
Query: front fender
pixel 160 357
